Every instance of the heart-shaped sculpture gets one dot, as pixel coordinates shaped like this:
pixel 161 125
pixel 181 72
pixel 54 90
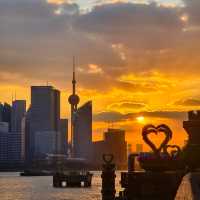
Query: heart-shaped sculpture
pixel 108 158
pixel 176 151
pixel 149 129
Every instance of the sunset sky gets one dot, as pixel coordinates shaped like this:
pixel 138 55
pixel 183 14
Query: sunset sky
pixel 135 58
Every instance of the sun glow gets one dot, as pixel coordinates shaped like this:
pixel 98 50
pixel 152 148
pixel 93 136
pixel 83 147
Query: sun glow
pixel 140 119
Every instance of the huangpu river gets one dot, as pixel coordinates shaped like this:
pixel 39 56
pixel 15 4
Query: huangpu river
pixel 14 187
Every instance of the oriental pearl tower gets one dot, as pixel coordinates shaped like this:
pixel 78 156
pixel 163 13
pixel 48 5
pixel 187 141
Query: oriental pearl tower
pixel 73 101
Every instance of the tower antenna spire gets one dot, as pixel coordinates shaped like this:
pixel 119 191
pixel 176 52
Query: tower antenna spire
pixel 74 76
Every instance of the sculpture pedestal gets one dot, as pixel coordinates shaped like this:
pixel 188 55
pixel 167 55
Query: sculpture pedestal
pixel 192 150
pixel 150 185
pixel 191 157
pixel 160 165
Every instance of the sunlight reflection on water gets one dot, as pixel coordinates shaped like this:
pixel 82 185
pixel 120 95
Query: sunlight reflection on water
pixel 14 187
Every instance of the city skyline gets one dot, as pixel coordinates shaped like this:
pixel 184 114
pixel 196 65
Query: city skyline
pixel 124 66
pixel 140 118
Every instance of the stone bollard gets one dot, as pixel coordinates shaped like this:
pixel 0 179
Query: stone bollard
pixel 108 178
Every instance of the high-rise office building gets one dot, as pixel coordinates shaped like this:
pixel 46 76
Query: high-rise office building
pixel 1 112
pixel 83 131
pixel 15 147
pixel 43 117
pixel 16 141
pixel 113 143
pixel 3 147
pixel 5 114
pixel 11 134
pixel 57 109
pixel 29 137
pixel 17 114
pixel 45 108
pixel 45 143
pixel 10 149
pixel 63 137
pixel 4 127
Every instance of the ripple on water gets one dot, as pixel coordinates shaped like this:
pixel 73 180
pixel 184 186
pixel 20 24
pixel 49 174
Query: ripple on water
pixel 14 187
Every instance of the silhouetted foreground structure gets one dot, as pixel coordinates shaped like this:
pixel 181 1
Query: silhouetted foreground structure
pixel 72 179
pixel 71 172
pixel 164 169
pixel 114 143
pixel 192 149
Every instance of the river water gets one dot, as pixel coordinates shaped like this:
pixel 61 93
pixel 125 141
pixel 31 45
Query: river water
pixel 14 187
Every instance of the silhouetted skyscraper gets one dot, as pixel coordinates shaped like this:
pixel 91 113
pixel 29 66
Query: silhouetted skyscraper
pixel 29 137
pixel 57 109
pixel 5 114
pixel 15 147
pixel 11 134
pixel 63 139
pixel 4 127
pixel 1 112
pixel 3 147
pixel 43 117
pixel 83 131
pixel 17 114
pixel 113 143
pixel 45 108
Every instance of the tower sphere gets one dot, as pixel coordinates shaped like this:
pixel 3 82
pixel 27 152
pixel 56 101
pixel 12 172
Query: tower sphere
pixel 74 99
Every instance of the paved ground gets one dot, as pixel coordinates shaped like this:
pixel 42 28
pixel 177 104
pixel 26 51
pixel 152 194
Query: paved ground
pixel 189 188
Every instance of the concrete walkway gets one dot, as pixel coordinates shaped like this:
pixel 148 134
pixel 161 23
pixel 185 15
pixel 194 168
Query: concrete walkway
pixel 189 188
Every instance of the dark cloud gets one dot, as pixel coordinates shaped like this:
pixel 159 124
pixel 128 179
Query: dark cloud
pixel 110 82
pixel 162 114
pixel 134 25
pixel 109 116
pixel 116 116
pixel 151 37
pixel 127 105
pixel 192 9
pixel 120 38
pixel 188 102
pixel 39 44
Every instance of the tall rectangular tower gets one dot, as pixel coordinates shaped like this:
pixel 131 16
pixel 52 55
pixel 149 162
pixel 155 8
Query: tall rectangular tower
pixel 57 109
pixel 63 139
pixel 114 143
pixel 6 114
pixel 83 131
pixel 17 113
pixel 44 108
pixel 3 147
pixel 1 112
pixel 44 115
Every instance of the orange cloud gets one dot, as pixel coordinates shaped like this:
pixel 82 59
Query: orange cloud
pixel 59 2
